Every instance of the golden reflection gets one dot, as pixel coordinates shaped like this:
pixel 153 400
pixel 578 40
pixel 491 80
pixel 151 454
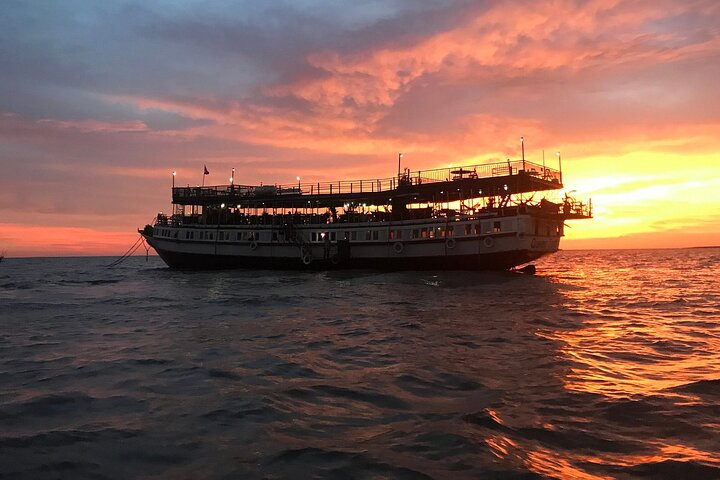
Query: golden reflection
pixel 547 463
pixel 500 445
pixel 539 460
pixel 606 359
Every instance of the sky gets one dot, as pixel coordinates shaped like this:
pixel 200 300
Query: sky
pixel 101 101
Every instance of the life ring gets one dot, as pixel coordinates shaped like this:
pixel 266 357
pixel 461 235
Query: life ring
pixel 307 259
pixel 488 242
pixel 398 247
pixel 334 259
pixel 450 243
pixel 253 245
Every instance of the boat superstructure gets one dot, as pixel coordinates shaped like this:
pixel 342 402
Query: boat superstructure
pixel 459 218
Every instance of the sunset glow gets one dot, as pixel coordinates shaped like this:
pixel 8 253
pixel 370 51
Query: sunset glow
pixel 102 101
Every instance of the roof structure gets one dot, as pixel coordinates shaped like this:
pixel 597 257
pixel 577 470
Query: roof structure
pixel 446 185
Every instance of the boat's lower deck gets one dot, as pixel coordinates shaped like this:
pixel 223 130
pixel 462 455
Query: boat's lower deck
pixel 466 244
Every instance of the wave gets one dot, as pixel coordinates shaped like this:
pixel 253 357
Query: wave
pixel 701 387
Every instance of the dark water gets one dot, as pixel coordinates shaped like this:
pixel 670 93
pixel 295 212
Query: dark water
pixel 604 365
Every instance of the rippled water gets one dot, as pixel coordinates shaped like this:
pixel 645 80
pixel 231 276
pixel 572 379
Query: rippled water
pixel 604 365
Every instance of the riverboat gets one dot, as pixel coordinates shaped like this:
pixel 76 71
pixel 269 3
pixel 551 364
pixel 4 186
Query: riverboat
pixel 472 217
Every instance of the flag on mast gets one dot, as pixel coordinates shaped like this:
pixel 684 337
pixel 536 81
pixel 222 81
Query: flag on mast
pixel 205 170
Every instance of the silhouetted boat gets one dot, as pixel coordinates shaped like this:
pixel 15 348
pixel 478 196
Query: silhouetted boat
pixel 467 218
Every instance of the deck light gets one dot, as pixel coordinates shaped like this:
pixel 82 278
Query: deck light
pixel 222 205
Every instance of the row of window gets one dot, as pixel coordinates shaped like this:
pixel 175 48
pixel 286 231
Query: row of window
pixel 368 235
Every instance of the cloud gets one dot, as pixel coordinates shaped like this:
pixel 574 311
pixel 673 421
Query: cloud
pixel 99 101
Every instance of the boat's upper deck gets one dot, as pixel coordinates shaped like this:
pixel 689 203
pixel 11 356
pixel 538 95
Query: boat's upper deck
pixel 444 185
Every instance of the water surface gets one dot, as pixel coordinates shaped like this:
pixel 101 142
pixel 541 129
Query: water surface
pixel 604 365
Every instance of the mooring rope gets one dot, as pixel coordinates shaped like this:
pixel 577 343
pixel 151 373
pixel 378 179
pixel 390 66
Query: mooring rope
pixel 140 241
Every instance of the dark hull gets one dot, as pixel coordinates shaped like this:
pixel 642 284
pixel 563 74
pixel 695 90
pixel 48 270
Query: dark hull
pixel 488 261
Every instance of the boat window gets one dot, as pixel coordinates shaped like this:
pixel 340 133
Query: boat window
pixel 353 235
pixel 476 229
pixel 450 231
pixel 423 232
pixel 313 237
pixel 399 234
pixel 176 234
pixel 431 232
pixel 415 233
pixel 333 236
pixel 275 236
pixel 368 234
pixel 375 235
pixel 440 232
pixel 496 227
pixel 391 235
pixel 468 229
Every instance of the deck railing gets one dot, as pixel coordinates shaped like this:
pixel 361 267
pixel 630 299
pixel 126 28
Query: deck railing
pixel 510 167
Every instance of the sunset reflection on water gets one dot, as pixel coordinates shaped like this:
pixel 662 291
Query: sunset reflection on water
pixel 603 365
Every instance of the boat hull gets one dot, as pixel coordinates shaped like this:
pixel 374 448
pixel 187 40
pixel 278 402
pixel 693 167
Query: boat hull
pixel 506 252
pixel 489 261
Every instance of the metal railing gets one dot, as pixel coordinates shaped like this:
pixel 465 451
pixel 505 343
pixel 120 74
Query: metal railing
pixel 510 167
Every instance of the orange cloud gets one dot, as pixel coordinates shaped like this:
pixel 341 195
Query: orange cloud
pixel 625 90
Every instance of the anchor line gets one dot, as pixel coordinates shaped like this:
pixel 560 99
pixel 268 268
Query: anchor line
pixel 140 241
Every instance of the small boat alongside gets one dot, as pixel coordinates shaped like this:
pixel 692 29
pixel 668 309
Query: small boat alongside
pixel 472 217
